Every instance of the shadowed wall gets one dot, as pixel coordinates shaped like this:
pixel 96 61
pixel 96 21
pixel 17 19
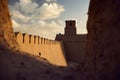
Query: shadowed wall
pixel 103 40
pixel 7 37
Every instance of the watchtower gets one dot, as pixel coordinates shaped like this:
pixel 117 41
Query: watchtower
pixel 70 28
pixel 74 44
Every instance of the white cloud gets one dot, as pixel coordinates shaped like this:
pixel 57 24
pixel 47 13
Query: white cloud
pixel 50 0
pixel 30 17
pixel 36 11
pixel 43 29
pixel 49 11
pixel 16 25
pixel 28 6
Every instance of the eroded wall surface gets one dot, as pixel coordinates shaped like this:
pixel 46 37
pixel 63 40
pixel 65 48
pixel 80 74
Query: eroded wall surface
pixel 48 49
pixel 103 42
pixel 7 37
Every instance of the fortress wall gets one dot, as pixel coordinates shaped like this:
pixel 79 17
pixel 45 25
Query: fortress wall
pixel 75 46
pixel 42 48
pixel 49 49
pixel 19 37
pixel 59 46
pixel 76 51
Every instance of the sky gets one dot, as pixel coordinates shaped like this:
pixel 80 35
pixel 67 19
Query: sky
pixel 46 18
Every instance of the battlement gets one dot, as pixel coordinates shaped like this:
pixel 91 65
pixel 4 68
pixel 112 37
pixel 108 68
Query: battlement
pixel 48 49
pixel 24 38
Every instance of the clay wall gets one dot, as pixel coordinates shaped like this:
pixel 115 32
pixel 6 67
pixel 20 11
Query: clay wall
pixel 103 41
pixel 48 49
pixel 4 12
pixel 75 46
pixel 7 37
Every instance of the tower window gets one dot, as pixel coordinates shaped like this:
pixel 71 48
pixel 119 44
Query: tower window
pixel 70 24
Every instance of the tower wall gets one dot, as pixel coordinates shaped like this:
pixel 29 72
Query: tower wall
pixel 74 44
pixel 70 28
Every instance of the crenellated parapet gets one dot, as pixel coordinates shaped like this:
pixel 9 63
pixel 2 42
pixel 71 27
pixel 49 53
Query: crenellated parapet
pixel 24 38
pixel 42 47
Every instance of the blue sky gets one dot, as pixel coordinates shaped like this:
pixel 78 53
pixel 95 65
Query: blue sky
pixel 46 18
pixel 76 9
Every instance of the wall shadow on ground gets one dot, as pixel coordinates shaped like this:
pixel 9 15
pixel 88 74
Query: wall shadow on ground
pixel 17 66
